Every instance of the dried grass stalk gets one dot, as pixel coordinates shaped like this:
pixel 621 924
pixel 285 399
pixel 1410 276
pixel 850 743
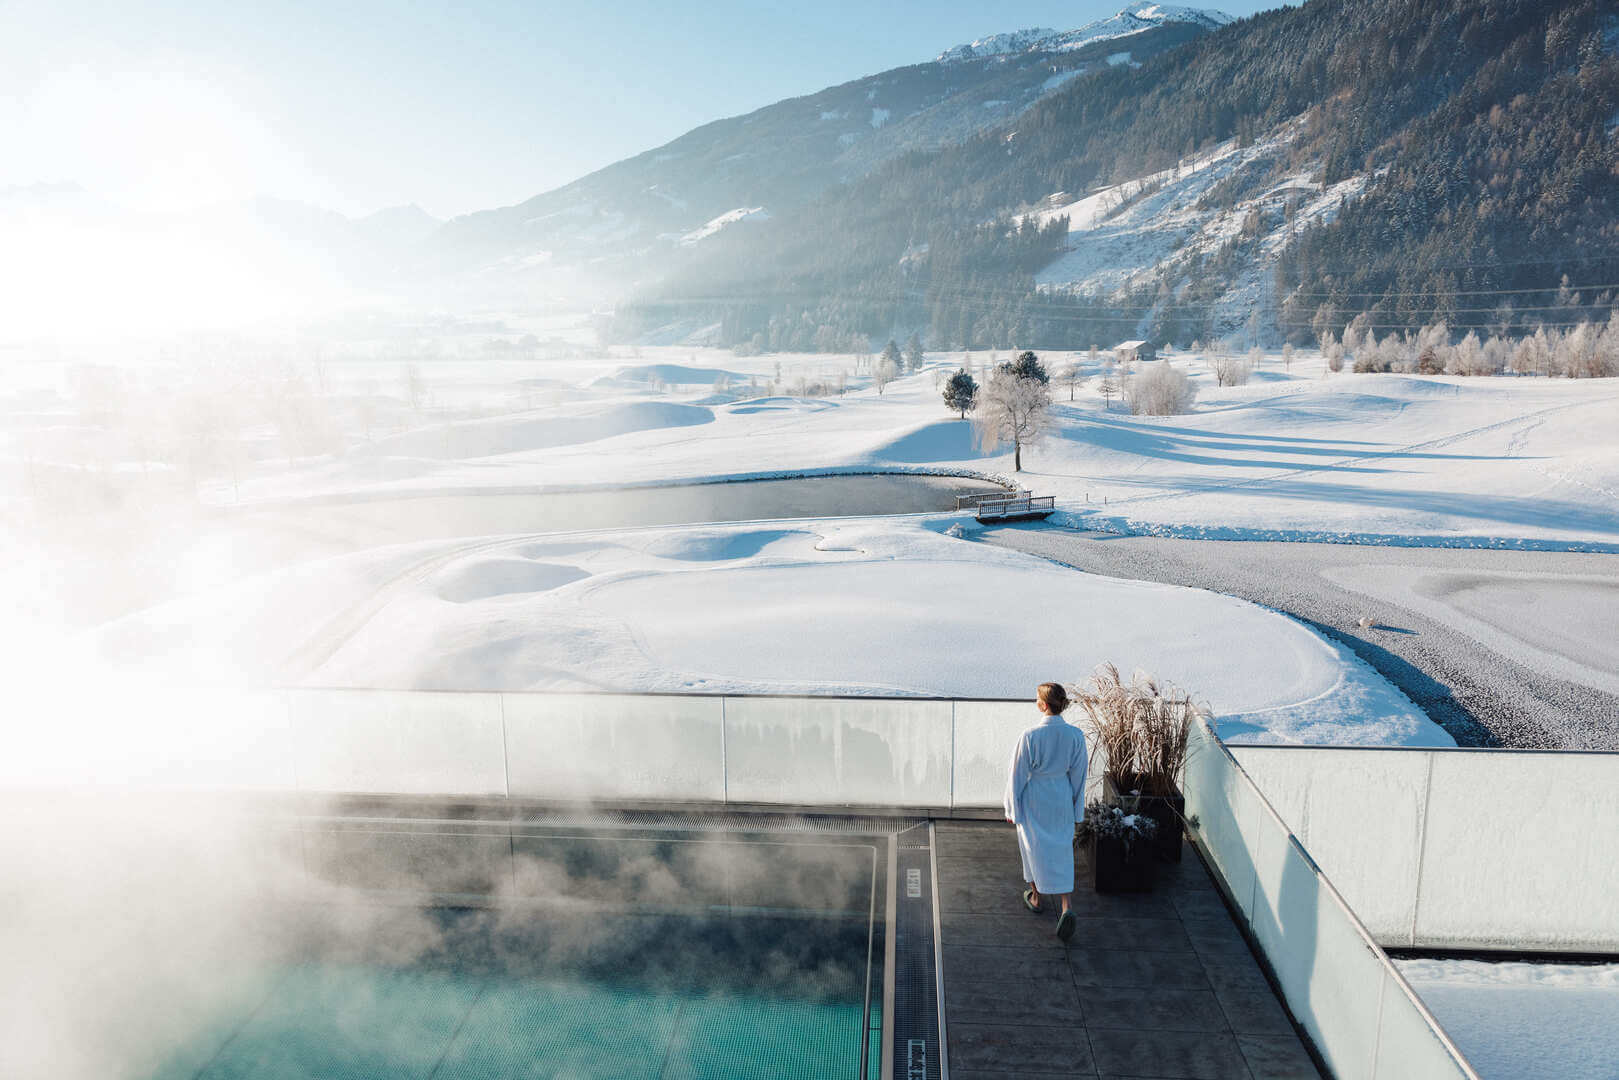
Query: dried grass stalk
pixel 1142 726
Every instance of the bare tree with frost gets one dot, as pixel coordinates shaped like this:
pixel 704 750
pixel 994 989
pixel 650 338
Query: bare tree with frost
pixel 883 372
pixel 1161 389
pixel 1014 410
pixel 1074 376
pixel 1230 370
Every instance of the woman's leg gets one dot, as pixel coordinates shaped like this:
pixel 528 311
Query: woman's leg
pixel 1067 900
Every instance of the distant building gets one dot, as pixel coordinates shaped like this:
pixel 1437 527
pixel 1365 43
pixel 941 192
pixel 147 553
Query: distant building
pixel 1128 352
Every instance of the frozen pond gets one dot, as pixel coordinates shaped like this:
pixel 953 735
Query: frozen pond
pixel 437 517
pixel 1577 618
pixel 232 544
pixel 113 575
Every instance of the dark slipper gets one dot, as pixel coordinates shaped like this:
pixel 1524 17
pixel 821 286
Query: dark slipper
pixel 1030 902
pixel 1065 925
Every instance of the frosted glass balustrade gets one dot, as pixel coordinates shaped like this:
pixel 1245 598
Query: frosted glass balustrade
pixel 614 746
pixel 1522 852
pixel 1335 980
pixel 838 751
pixel 399 742
pixel 1408 1041
pixel 985 732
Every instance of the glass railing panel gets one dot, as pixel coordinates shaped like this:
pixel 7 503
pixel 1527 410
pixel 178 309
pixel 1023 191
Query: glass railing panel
pixel 1223 804
pixel 985 734
pixel 614 746
pixel 838 751
pixel 398 742
pixel 1329 974
pixel 1407 1043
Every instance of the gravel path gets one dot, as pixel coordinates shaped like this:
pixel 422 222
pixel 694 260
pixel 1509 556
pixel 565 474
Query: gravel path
pixel 1500 648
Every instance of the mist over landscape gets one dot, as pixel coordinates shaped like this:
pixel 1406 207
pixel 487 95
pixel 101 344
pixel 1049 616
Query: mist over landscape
pixel 368 378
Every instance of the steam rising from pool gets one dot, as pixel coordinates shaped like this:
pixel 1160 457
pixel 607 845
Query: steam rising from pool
pixel 138 927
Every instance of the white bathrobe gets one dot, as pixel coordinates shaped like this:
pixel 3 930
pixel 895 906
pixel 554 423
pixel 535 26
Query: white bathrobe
pixel 1045 798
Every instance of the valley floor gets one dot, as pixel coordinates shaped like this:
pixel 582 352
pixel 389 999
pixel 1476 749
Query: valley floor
pixel 341 593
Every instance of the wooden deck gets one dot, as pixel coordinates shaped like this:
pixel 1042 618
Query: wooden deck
pixel 1154 985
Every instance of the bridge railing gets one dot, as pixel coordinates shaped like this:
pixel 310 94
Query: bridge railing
pixel 971 502
pixel 1019 506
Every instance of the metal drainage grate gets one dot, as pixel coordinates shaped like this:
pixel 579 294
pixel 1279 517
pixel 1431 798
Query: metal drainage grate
pixel 917 1051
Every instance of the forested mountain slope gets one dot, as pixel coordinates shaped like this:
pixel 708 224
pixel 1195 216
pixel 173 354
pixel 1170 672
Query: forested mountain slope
pixel 620 223
pixel 1416 160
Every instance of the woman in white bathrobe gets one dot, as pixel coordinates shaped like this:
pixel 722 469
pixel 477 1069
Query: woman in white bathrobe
pixel 1045 799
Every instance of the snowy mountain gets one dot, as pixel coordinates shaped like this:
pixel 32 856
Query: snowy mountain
pixel 621 225
pixel 1405 162
pixel 997 45
pixel 1132 20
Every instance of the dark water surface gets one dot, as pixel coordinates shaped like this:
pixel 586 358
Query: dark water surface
pixel 433 517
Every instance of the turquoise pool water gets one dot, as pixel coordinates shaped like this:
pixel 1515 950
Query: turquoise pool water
pixel 713 991
pixel 340 1022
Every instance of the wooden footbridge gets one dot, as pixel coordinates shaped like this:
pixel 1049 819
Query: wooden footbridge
pixel 1002 506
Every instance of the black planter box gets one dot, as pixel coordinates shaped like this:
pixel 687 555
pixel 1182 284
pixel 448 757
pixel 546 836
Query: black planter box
pixel 1115 871
pixel 1167 810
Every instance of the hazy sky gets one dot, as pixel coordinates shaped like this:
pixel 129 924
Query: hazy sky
pixel 361 104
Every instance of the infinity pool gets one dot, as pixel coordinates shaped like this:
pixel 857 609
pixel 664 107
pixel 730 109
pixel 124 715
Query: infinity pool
pixel 629 956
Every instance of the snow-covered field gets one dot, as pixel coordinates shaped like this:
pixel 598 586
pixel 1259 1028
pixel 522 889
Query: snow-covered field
pixel 875 605
pixel 1515 1020
pixel 1294 454
pixel 861 606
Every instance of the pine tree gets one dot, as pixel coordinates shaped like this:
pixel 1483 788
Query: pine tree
pixel 961 393
pixel 1027 366
pixel 914 356
pixel 891 356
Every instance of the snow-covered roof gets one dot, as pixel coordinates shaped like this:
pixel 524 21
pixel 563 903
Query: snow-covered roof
pixel 1129 344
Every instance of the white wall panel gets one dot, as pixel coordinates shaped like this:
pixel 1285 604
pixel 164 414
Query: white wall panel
pixel 1359 814
pixel 1522 852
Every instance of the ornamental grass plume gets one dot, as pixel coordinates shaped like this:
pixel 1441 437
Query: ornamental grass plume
pixel 1142 727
